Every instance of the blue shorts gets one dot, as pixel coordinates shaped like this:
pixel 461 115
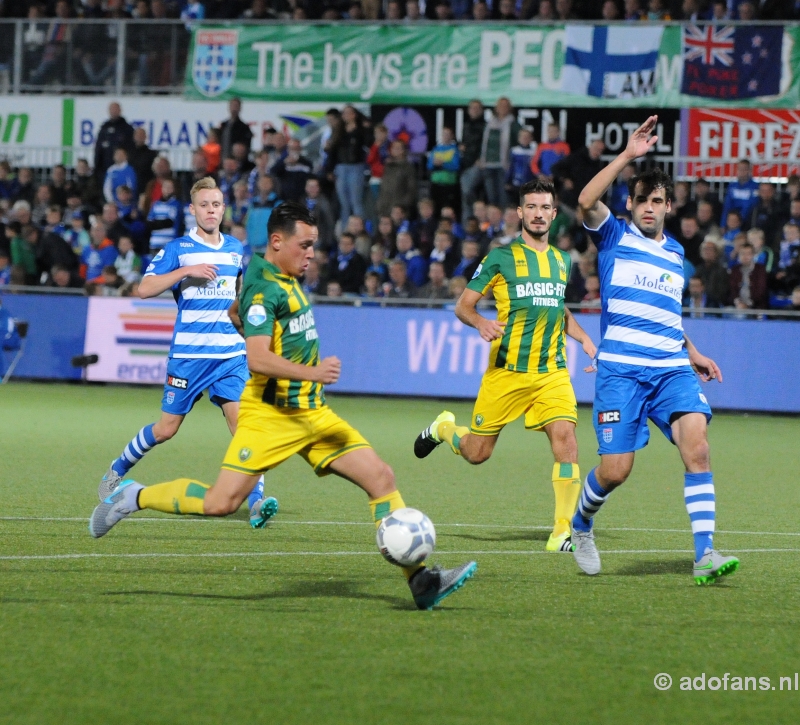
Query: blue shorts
pixel 187 378
pixel 627 395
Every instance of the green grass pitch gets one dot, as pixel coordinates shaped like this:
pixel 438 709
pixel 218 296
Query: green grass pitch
pixel 205 621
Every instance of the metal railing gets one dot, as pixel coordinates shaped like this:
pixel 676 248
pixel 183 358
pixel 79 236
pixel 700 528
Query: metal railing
pixel 45 157
pixel 99 56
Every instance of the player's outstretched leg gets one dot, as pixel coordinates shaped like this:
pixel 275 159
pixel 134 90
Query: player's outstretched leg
pixel 585 551
pixel 428 586
pixel 429 439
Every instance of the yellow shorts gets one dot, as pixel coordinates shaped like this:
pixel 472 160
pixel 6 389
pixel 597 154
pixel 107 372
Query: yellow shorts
pixel 266 436
pixel 505 395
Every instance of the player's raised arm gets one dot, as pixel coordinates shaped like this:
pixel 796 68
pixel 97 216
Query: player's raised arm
pixel 639 143
pixel 261 360
pixel 468 314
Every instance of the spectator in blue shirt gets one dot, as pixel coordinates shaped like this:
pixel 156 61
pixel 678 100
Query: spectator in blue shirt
pixel 742 194
pixel 519 164
pixel 416 266
pixel 120 173
pixel 618 193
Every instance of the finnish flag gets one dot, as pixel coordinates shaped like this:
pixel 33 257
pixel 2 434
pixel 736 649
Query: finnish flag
pixel 611 61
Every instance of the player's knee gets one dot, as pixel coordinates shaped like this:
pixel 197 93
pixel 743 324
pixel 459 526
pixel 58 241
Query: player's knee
pixel 700 456
pixel 478 456
pixel 383 482
pixel 163 433
pixel 220 505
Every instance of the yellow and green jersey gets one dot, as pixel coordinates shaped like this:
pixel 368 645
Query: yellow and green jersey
pixel 273 304
pixel 529 289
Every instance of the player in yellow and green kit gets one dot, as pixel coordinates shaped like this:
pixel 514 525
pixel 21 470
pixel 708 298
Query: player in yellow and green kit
pixel 527 373
pixel 283 409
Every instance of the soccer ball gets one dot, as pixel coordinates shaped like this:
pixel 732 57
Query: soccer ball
pixel 406 537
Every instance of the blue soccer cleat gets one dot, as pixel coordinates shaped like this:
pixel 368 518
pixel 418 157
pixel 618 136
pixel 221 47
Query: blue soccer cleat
pixel 262 511
pixel 430 586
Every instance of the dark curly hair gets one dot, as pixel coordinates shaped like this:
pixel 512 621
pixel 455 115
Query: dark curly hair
pixel 655 178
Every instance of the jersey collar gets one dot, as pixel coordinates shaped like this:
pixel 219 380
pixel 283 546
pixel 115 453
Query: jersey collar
pixel 276 270
pixel 197 238
pixel 638 233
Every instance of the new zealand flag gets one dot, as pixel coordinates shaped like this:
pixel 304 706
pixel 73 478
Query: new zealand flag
pixel 727 62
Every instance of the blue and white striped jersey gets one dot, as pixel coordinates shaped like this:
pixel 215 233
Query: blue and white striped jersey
pixel 641 287
pixel 203 329
pixel 161 210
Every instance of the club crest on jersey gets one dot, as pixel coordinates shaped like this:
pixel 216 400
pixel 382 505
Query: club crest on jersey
pixel 257 315
pixel 236 259
pixel 608 435
pixel 478 420
pixel 244 454
pixel 608 416
pixel 170 398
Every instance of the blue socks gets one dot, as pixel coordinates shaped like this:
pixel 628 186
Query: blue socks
pixel 256 493
pixel 698 492
pixel 135 450
pixel 592 498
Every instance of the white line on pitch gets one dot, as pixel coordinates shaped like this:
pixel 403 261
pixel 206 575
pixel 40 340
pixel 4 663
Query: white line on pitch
pixel 226 520
pixel 226 555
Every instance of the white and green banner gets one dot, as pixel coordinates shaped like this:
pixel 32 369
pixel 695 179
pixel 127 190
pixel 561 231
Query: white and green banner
pixel 573 65
pixel 44 130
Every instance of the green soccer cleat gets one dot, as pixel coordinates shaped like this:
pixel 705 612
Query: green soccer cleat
pixel 428 440
pixel 120 504
pixel 562 543
pixel 713 566
pixel 430 586
pixel 262 511
pixel 108 484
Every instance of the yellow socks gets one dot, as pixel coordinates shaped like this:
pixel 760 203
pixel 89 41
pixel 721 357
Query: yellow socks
pixel 381 508
pixel 452 434
pixel 182 496
pixel 567 487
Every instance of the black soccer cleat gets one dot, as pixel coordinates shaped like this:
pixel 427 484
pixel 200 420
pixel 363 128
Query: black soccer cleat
pixel 427 441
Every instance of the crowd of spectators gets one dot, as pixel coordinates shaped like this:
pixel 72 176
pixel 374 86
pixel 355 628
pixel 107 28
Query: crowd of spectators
pixel 410 11
pixel 391 224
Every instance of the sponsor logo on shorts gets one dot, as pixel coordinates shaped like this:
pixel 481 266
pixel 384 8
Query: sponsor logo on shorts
pixel 608 434
pixel 244 454
pixel 478 420
pixel 174 382
pixel 257 315
pixel 170 398
pixel 608 416
pixel 703 398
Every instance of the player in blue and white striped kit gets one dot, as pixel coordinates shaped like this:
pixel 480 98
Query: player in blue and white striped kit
pixel 645 361
pixel 202 269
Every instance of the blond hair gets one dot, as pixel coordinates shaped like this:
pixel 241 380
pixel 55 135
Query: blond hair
pixel 206 182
